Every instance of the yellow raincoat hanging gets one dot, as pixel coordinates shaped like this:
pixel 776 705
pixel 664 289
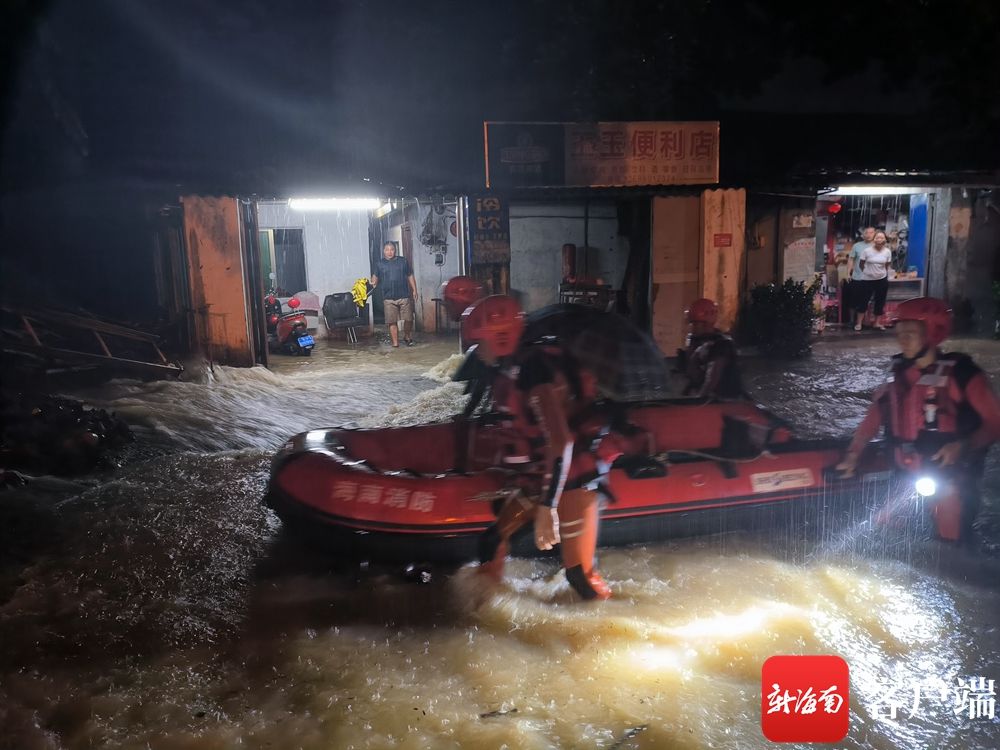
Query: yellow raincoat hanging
pixel 360 292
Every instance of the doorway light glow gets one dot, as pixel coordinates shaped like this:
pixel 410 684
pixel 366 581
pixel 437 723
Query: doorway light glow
pixel 334 204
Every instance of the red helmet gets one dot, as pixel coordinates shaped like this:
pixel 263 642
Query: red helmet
pixel 703 311
pixel 497 321
pixel 933 313
pixel 459 293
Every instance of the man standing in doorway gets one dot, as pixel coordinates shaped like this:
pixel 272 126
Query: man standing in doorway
pixel 399 291
pixel 858 286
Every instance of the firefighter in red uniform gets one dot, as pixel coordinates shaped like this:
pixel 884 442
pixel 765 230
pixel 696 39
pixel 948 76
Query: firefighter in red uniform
pixel 710 358
pixel 939 413
pixel 541 395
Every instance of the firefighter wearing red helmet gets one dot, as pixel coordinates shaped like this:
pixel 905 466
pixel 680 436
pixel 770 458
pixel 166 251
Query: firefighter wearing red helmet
pixel 709 361
pixel 540 394
pixel 494 325
pixel 939 413
pixel 459 293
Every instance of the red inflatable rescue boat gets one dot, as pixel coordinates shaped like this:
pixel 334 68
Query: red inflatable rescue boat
pixel 425 493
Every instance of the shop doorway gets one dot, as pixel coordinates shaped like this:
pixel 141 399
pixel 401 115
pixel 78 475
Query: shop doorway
pixel 265 241
pixel 907 217
pixel 289 261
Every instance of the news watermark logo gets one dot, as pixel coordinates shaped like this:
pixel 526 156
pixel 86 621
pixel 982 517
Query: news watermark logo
pixel 805 699
pixel 971 697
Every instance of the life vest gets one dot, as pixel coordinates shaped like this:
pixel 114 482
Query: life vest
pixel 594 445
pixel 924 409
pixel 511 435
pixel 538 365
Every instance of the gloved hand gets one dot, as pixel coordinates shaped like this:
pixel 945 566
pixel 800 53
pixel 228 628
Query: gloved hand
pixel 847 466
pixel 949 453
pixel 546 527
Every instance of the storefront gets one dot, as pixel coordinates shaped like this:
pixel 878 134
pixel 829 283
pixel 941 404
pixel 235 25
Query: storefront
pixel 912 219
pixel 621 215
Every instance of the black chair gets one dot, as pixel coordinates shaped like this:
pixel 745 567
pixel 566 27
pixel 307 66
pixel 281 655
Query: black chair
pixel 340 311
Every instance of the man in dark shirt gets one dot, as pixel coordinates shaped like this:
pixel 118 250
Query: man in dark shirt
pixel 399 291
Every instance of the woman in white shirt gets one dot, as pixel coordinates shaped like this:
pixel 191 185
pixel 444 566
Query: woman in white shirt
pixel 875 270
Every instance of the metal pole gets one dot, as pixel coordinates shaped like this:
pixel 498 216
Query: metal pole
pixel 460 209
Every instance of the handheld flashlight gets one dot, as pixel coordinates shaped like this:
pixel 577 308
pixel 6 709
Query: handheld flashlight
pixel 925 486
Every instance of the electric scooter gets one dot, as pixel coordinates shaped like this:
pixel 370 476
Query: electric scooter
pixel 287 333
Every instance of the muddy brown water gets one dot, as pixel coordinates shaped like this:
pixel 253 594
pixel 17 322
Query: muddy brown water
pixel 163 607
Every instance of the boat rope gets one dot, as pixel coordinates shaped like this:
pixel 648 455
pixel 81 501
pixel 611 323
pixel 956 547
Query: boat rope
pixel 665 456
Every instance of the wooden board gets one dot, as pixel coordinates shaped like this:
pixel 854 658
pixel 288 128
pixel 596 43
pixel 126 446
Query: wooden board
pixel 218 296
pixel 675 268
pixel 723 216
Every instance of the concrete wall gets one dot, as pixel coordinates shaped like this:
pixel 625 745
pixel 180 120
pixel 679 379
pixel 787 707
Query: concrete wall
pixel 336 244
pixel 959 228
pixel 983 261
pixel 537 233
pixel 973 258
pixel 797 243
pixel 429 276
pixel 937 251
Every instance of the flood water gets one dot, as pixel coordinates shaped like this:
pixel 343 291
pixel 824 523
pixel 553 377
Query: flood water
pixel 163 607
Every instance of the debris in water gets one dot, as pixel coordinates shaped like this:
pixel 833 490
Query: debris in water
pixel 494 714
pixel 629 734
pixel 56 435
pixel 417 574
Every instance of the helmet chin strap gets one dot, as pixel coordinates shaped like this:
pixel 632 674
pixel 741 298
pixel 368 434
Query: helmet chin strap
pixel 910 361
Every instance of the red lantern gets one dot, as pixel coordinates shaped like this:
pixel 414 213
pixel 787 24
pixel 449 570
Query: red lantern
pixel 294 302
pixel 834 208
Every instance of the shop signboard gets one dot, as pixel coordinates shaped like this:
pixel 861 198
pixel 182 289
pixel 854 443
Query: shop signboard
pixel 524 154
pixel 489 229
pixel 604 154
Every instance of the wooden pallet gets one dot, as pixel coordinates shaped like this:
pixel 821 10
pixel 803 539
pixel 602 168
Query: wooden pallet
pixel 60 337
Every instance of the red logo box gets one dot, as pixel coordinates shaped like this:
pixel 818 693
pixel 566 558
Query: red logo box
pixel 805 699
